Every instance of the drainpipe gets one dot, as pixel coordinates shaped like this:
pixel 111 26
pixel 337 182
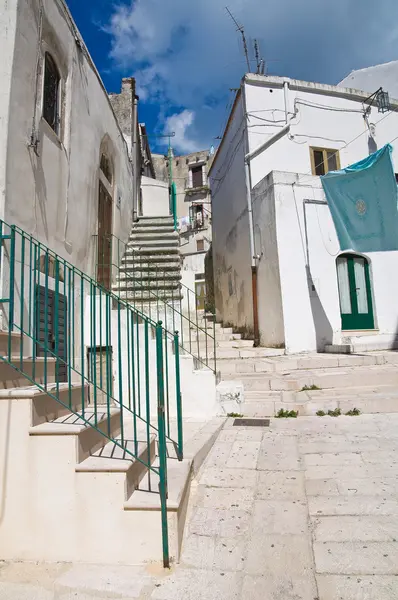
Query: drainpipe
pixel 134 151
pixel 251 227
pixel 286 97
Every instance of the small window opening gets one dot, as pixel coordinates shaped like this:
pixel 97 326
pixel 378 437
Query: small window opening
pixel 324 160
pixel 197 176
pixel 196 217
pixel 51 90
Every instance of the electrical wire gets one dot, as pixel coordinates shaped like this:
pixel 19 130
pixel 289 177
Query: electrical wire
pixel 346 146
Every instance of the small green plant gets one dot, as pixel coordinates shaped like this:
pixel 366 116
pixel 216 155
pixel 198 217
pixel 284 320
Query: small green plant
pixel 320 413
pixel 287 414
pixel 235 415
pixel 334 413
pixel 308 388
pixel 354 412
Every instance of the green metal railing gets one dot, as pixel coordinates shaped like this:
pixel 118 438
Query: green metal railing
pixel 93 353
pixel 179 311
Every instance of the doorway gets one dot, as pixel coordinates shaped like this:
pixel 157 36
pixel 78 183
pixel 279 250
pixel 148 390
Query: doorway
pixel 49 323
pixel 104 257
pixel 355 293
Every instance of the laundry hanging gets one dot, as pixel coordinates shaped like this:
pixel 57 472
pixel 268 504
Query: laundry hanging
pixel 363 201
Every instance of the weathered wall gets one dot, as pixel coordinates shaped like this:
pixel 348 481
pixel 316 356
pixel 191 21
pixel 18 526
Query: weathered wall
pixel 231 242
pixel 8 20
pixel 270 313
pixel 122 105
pixel 53 193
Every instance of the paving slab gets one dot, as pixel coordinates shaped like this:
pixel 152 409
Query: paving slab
pixel 357 558
pixel 283 485
pixel 230 478
pixel 279 556
pixel 280 516
pixel 347 587
pixel 279 588
pixel 352 505
pixel 355 528
pixel 192 584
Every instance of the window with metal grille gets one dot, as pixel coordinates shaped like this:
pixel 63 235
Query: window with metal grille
pixel 324 160
pixel 51 93
pixel 200 245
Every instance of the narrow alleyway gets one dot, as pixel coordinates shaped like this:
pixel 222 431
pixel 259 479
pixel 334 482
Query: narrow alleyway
pixel 304 509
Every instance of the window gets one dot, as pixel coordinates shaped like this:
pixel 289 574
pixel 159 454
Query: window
pixel 197 176
pixel 106 168
pixel 51 90
pixel 324 160
pixel 196 219
pixel 200 245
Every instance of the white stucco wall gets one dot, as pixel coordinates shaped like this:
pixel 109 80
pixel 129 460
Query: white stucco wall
pixel 231 242
pixel 324 119
pixel 308 280
pixel 155 197
pixel 371 78
pixel 319 116
pixel 54 194
pixel 8 18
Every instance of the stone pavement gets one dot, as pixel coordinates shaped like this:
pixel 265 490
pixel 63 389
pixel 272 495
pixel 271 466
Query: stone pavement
pixel 306 509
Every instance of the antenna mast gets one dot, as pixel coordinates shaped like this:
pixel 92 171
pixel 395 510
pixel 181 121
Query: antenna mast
pixel 242 32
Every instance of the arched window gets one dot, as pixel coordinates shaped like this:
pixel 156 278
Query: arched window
pixel 355 292
pixel 51 93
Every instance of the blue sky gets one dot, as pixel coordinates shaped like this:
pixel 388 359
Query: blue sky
pixel 186 54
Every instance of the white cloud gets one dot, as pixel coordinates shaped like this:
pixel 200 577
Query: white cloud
pixel 179 123
pixel 188 54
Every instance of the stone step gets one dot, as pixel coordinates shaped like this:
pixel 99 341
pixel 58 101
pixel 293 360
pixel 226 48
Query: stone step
pixel 155 286
pixel 147 276
pixel 114 459
pixel 88 439
pixel 322 378
pixel 155 220
pixel 252 353
pixel 39 369
pixel 152 243
pixel 220 337
pixel 44 407
pixel 154 251
pixel 137 236
pixel 137 298
pixel 164 261
pixel 162 229
pixel 369 400
pixel 178 483
pixel 7 338
pixel 149 267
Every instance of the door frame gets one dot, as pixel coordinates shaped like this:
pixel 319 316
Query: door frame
pixel 356 321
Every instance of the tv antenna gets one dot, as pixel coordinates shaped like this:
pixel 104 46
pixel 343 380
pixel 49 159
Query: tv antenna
pixel 260 62
pixel 242 32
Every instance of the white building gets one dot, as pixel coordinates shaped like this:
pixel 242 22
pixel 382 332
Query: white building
pixel 274 241
pixel 62 153
pixel 372 78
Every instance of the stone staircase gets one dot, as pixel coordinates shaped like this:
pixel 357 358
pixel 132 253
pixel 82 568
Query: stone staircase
pixel 264 380
pixel 67 493
pixel 151 265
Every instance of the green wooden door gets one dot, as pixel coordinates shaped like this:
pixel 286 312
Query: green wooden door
pixel 355 293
